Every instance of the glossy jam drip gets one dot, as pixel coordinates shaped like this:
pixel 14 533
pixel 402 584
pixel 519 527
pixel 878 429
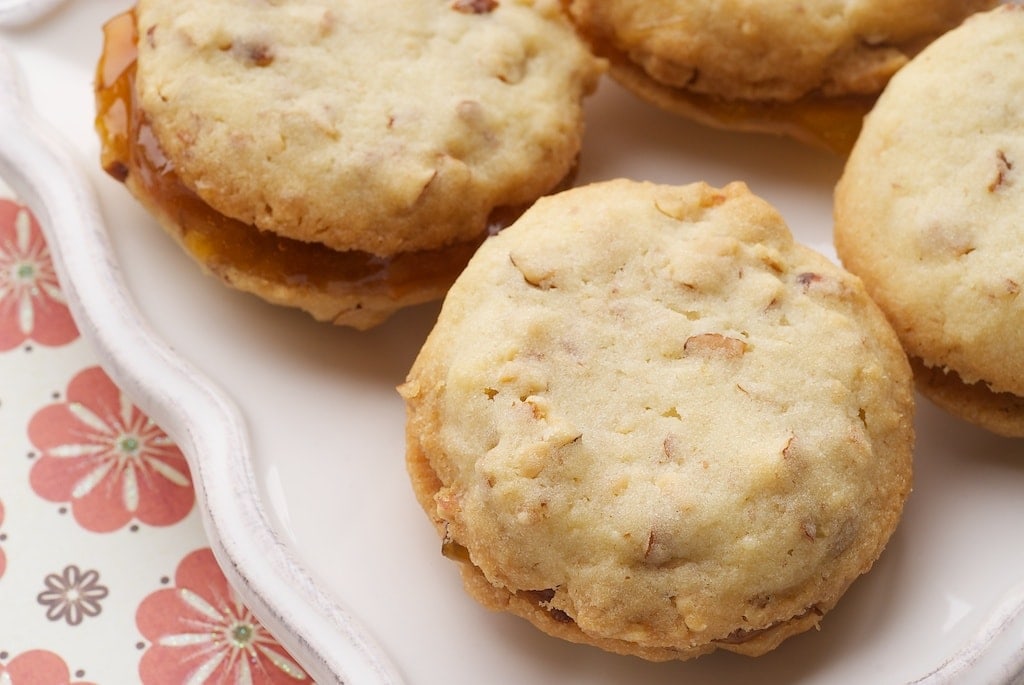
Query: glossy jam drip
pixel 129 148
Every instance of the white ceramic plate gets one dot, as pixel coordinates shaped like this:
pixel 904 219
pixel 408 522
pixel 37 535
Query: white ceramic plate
pixel 295 433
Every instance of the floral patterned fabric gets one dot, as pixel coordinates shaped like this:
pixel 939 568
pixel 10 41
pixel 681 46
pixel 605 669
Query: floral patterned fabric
pixel 106 459
pixel 37 667
pixel 31 304
pixel 200 626
pixel 106 576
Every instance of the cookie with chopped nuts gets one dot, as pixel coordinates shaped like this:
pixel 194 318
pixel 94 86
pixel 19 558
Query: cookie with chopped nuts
pixel 648 420
pixel 928 213
pixel 342 157
pixel 806 69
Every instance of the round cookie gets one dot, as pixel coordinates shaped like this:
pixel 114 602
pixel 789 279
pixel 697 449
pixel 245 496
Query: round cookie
pixel 928 213
pixel 806 69
pixel 391 129
pixel 649 421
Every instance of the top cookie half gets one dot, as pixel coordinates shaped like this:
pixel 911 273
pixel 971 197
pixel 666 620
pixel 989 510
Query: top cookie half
pixel 385 126
pixel 929 209
pixel 746 63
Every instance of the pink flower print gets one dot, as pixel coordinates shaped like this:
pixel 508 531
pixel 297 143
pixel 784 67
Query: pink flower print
pixel 105 457
pixel 201 633
pixel 3 556
pixel 31 302
pixel 37 667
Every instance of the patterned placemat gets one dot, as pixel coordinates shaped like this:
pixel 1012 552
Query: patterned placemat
pixel 106 576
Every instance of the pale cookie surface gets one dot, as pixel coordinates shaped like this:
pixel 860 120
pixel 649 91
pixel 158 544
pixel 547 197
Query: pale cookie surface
pixel 381 126
pixel 770 49
pixel 808 70
pixel 655 424
pixel 928 213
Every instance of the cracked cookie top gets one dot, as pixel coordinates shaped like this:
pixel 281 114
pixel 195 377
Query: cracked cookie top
pixel 778 50
pixel 928 212
pixel 655 423
pixel 381 126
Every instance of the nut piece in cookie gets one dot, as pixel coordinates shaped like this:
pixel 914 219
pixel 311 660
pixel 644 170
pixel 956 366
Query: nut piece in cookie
pixel 928 213
pixel 810 70
pixel 648 420
pixel 345 158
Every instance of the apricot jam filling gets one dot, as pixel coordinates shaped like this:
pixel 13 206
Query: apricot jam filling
pixel 130 153
pixel 830 123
